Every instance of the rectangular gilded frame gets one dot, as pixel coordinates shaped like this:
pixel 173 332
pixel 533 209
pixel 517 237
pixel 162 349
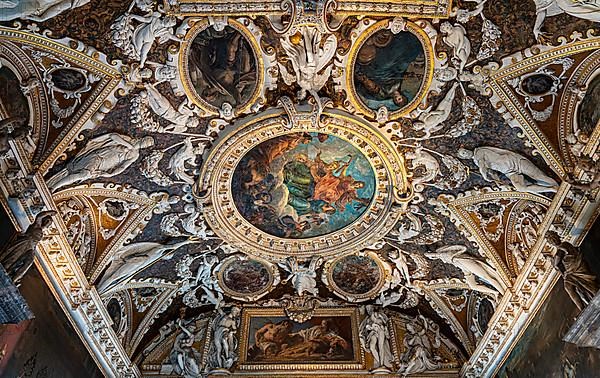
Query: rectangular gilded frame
pixel 251 316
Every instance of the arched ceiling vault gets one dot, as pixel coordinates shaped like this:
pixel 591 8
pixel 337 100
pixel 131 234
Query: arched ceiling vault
pixel 218 165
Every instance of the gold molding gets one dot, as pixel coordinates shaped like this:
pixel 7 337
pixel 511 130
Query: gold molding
pixel 472 231
pixel 522 63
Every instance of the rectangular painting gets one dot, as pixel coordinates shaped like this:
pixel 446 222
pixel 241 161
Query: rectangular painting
pixel 271 341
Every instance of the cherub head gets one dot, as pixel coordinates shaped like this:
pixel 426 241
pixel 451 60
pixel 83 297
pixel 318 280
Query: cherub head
pixel 146 142
pixel 445 27
pixel 398 98
pixel 463 153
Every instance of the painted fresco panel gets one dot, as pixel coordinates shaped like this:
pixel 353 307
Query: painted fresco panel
pixel 303 185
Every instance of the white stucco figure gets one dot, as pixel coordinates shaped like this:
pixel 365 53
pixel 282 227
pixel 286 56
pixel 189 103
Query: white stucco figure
pixel 521 172
pixel 105 156
pixel 181 119
pixel 430 120
pixel 225 342
pixel 309 57
pixel 132 259
pixel 375 337
pixel 303 277
pixel 472 267
pixel 36 10
pixel 185 156
pixel 17 258
pixel 419 356
pixel 152 27
pixel 456 38
pixel 206 281
pixel 401 263
pixel 586 9
pixel 183 357
pixel 430 166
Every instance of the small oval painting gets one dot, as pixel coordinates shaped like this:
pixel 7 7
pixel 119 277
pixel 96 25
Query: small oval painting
pixel 246 276
pixel 68 80
pixel 222 67
pixel 538 84
pixel 389 70
pixel 303 185
pixel 356 274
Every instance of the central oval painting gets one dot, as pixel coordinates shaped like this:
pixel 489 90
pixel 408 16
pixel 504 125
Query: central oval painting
pixel 389 70
pixel 303 185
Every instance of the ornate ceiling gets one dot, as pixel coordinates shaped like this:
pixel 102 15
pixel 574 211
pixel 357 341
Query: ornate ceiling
pixel 283 186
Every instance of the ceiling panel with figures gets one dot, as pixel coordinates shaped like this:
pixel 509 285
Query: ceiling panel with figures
pixel 323 187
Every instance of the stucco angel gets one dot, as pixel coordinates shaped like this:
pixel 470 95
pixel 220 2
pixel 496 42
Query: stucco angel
pixel 456 37
pixel 36 10
pixel 180 119
pixel 431 121
pixel 302 277
pixel 137 41
pixel 308 57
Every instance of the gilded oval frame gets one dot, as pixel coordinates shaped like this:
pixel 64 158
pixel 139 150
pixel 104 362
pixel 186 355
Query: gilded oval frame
pixel 213 189
pixel 353 96
pixel 274 278
pixel 384 276
pixel 198 26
